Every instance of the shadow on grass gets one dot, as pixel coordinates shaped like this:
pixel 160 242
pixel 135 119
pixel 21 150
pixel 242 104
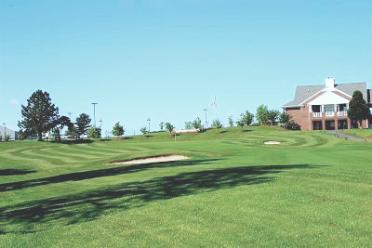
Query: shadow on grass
pixel 14 172
pixel 82 207
pixel 247 130
pixel 83 175
pixel 74 142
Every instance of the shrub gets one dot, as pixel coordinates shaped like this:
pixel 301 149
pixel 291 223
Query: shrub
pixel 217 124
pixel 240 123
pixel 189 125
pixel 292 125
pixel 143 130
pixel 231 121
pixel 284 117
pixel 197 123
pixel 94 133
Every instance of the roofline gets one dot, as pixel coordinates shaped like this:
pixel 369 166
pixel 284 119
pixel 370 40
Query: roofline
pixel 292 106
pixel 324 90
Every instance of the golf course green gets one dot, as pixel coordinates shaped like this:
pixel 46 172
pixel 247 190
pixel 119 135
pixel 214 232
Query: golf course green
pixel 307 189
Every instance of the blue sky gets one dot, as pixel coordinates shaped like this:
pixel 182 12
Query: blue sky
pixel 167 60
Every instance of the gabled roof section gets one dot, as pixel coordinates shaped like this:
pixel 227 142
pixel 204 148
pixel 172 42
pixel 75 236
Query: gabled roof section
pixel 304 92
pixel 328 97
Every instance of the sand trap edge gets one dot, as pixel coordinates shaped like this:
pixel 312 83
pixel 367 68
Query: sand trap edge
pixel 272 142
pixel 152 159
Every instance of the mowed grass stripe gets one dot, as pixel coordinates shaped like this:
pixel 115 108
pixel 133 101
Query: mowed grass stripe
pixel 312 190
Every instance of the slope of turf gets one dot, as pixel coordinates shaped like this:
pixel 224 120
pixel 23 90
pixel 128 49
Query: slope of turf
pixel 311 190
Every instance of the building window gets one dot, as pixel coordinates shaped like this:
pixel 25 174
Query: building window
pixel 329 108
pixel 317 125
pixel 342 124
pixel 330 125
pixel 342 107
pixel 315 108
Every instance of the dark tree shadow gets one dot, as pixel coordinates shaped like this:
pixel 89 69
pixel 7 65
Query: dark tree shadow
pixel 14 172
pixel 83 175
pixel 74 142
pixel 88 206
pixel 247 130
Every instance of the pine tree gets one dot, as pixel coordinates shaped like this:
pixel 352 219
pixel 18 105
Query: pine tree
pixel 358 108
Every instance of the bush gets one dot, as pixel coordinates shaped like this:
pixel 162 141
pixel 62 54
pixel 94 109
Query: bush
pixel 197 123
pixel 1 138
pixel 292 125
pixel 143 130
pixel 284 117
pixel 217 124
pixel 231 122
pixel 189 125
pixel 94 133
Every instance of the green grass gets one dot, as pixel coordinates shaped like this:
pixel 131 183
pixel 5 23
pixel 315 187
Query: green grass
pixel 313 190
pixel 363 133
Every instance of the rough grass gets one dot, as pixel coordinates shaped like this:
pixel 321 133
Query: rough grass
pixel 312 190
pixel 363 133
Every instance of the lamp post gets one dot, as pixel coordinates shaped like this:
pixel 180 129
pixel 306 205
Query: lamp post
pixel 4 131
pixel 94 112
pixel 206 117
pixel 149 123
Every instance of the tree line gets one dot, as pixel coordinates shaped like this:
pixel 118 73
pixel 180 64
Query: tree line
pixel 40 116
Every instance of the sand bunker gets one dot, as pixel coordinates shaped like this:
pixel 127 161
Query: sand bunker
pixel 272 142
pixel 153 160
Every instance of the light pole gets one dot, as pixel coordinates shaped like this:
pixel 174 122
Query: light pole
pixel 4 134
pixel 206 117
pixel 94 112
pixel 149 122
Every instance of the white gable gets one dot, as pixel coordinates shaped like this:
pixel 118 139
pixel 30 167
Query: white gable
pixel 328 97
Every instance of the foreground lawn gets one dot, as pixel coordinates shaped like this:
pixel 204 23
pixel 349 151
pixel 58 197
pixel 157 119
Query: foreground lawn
pixel 312 190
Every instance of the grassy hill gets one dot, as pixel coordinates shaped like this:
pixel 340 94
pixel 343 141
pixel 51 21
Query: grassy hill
pixel 311 190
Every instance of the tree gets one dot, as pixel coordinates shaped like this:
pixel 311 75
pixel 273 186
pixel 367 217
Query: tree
pixel 71 132
pixel 39 116
pixel 94 133
pixel 118 130
pixel 240 123
pixel 58 125
pixel 284 118
pixel 358 108
pixel 189 125
pixel 82 125
pixel 169 127
pixel 231 121
pixel 272 117
pixel 217 124
pixel 262 115
pixel 161 125
pixel 246 119
pixel 144 130
pixel 197 123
